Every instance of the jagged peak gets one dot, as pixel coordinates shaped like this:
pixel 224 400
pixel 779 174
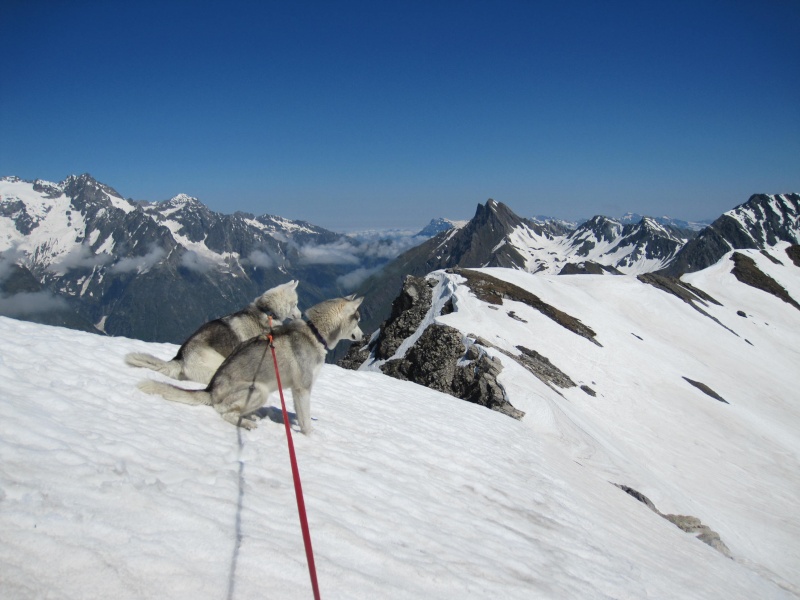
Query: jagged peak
pixel 496 212
pixel 82 179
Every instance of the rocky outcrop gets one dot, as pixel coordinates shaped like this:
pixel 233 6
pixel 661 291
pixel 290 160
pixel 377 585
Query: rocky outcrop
pixel 686 523
pixel 492 290
pixel 408 311
pixel 588 267
pixel 746 271
pixel 440 360
pixel 793 252
pixel 537 364
pixel 693 296
pixel 706 390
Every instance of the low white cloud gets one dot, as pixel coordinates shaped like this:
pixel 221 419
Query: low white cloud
pixel 81 257
pixel 259 258
pixel 28 303
pixel 138 263
pixel 350 281
pixel 8 259
pixel 338 253
pixel 196 262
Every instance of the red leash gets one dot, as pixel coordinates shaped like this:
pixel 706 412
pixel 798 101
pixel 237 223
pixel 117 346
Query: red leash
pixel 298 488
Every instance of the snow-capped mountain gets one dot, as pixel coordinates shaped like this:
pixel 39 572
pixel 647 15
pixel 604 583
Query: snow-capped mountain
pixel 121 265
pixel 632 217
pixel 632 248
pixel 497 237
pixel 764 220
pixel 439 225
pixel 118 266
pixel 662 462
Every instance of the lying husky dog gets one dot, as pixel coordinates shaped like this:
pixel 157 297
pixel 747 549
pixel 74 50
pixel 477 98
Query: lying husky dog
pixel 202 354
pixel 247 377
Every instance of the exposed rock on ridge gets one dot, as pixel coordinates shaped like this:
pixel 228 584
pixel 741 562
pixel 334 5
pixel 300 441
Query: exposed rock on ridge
pixel 493 290
pixel 440 360
pixel 746 271
pixel 686 523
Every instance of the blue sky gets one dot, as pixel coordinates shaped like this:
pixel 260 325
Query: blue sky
pixel 387 114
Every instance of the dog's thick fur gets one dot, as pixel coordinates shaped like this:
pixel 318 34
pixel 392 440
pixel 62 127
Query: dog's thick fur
pixel 247 377
pixel 204 351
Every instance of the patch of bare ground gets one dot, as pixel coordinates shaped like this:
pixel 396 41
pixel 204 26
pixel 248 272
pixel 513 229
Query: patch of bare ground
pixel 746 271
pixel 493 290
pixel 693 296
pixel 706 390
pixel 793 252
pixel 686 523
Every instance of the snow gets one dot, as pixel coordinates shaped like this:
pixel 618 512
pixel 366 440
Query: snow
pixel 58 225
pixel 108 492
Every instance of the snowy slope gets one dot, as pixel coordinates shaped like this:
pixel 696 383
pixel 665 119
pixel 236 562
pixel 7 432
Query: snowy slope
pixel 107 492
pixel 735 466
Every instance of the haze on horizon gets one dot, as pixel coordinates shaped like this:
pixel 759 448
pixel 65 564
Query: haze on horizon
pixel 364 115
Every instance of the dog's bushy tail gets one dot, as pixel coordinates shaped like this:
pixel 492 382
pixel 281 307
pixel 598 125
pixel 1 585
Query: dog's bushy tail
pixel 170 368
pixel 175 393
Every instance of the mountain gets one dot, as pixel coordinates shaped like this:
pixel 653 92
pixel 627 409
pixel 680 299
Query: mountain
pixel 666 221
pixel 439 225
pixel 497 237
pixel 664 463
pixel 762 221
pixel 156 271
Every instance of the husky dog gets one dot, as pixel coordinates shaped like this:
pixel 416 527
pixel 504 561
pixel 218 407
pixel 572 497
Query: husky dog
pixel 247 377
pixel 205 350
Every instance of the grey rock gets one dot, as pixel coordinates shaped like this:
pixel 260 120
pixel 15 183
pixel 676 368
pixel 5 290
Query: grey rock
pixel 435 361
pixel 746 271
pixel 686 523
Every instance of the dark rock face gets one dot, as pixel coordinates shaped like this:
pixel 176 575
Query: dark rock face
pixel 746 271
pixel 793 252
pixel 408 311
pixel 686 523
pixel 17 211
pixel 588 267
pixel 433 362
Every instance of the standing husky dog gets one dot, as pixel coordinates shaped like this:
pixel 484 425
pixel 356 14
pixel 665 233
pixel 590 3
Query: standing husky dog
pixel 200 355
pixel 247 377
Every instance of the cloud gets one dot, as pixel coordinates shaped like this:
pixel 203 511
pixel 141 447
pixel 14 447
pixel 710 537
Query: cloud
pixel 196 262
pixel 390 248
pixel 350 281
pixel 8 259
pixel 138 263
pixel 258 258
pixel 27 303
pixel 81 257
pixel 338 253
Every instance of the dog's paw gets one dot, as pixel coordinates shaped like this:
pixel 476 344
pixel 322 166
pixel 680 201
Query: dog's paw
pixel 248 423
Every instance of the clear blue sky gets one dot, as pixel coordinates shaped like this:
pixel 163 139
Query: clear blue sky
pixel 387 114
